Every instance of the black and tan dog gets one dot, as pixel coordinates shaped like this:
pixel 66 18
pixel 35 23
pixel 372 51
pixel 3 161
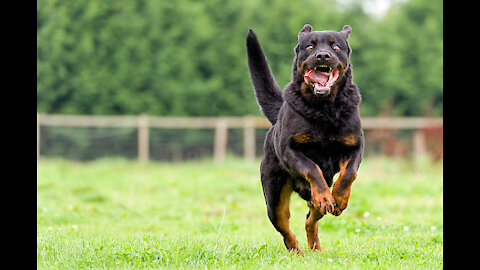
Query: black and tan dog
pixel 315 131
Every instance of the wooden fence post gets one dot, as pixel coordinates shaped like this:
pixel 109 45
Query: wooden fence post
pixel 419 149
pixel 220 141
pixel 143 139
pixel 419 144
pixel 248 139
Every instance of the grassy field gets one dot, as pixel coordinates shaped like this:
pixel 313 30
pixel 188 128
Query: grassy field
pixel 119 214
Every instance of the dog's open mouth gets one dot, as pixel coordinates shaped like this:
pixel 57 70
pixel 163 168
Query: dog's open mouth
pixel 321 79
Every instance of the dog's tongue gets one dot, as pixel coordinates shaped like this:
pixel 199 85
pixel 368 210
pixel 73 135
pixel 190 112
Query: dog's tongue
pixel 313 76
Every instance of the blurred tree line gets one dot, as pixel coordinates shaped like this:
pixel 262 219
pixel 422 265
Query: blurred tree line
pixel 188 57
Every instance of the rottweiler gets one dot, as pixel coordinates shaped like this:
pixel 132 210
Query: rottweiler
pixel 316 130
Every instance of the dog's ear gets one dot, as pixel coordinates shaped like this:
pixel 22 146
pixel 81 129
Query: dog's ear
pixel 307 28
pixel 346 30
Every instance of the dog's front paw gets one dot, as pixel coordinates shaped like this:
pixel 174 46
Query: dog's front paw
pixel 323 202
pixel 341 199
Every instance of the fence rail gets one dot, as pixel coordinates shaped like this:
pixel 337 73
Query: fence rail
pixel 221 126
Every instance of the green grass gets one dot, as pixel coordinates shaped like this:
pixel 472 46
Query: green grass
pixel 119 214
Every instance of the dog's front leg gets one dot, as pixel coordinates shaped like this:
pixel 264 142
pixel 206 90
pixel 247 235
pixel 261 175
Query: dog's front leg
pixel 343 186
pixel 321 197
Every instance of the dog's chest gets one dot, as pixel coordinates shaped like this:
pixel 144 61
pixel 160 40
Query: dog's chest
pixel 316 140
pixel 325 147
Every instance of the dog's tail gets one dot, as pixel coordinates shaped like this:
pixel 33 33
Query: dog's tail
pixel 267 92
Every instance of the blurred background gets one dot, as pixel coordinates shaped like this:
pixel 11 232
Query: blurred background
pixel 168 80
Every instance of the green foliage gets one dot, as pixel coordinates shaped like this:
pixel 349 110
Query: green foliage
pixel 400 67
pixel 188 57
pixel 115 214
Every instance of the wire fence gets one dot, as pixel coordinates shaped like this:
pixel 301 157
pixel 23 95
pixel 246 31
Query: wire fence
pixel 178 139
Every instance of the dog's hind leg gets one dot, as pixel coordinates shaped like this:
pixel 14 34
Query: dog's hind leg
pixel 311 227
pixel 277 190
pixel 279 215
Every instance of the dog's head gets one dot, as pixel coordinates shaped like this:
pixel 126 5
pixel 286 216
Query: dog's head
pixel 321 60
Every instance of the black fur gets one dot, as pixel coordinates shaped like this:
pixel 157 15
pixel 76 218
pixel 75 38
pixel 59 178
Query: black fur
pixel 311 134
pixel 267 91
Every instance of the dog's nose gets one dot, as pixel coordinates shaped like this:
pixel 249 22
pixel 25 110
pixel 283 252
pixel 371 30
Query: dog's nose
pixel 324 56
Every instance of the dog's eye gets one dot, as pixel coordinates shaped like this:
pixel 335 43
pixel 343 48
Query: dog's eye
pixel 336 48
pixel 309 47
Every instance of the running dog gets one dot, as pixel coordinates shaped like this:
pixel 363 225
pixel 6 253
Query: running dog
pixel 316 130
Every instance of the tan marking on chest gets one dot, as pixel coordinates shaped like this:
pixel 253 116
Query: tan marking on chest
pixel 302 138
pixel 349 140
